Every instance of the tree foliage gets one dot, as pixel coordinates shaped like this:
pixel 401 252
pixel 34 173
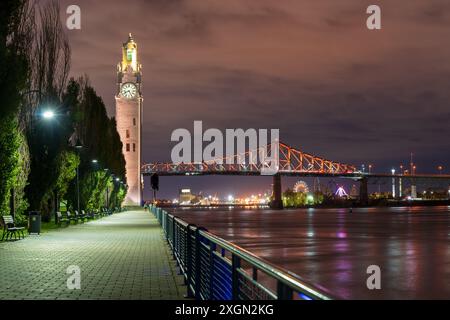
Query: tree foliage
pixel 301 199
pixel 101 142
pixel 37 157
pixel 14 71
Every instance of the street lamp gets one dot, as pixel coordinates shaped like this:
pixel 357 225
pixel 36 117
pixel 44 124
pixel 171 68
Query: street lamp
pixel 440 169
pixel 48 114
pixel 95 161
pixel 370 168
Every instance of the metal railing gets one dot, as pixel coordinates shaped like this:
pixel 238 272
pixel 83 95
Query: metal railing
pixel 215 269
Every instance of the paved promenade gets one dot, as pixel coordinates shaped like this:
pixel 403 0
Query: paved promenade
pixel 123 256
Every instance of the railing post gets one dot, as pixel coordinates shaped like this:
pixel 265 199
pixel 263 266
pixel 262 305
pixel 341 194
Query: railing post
pixel 255 274
pixel 175 250
pixel 212 248
pixel 166 231
pixel 235 265
pixel 189 261
pixel 284 292
pixel 197 264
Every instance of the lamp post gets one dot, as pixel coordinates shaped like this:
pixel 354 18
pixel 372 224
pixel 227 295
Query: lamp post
pixel 393 183
pixel 78 146
pixel 49 115
pixel 107 190
pixel 440 169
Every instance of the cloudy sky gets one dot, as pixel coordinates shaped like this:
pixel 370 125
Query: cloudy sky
pixel 310 68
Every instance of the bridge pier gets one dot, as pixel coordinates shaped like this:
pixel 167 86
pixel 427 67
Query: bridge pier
pixel 277 202
pixel 363 193
pixel 413 188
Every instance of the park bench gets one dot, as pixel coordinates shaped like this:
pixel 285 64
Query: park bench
pixel 62 218
pixel 86 216
pixel 72 217
pixel 90 215
pixel 94 214
pixel 10 229
pixel 79 216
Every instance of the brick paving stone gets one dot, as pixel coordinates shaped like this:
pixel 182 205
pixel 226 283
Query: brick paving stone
pixel 123 256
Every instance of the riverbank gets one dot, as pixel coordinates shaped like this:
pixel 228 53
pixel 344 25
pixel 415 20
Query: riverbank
pixel 334 205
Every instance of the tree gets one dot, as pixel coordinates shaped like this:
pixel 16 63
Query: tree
pixel 101 141
pixel 37 159
pixel 50 154
pixel 14 70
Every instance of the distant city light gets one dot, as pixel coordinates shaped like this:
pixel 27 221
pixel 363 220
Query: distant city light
pixel 230 198
pixel 94 161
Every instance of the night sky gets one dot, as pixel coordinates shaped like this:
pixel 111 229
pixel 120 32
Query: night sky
pixel 310 68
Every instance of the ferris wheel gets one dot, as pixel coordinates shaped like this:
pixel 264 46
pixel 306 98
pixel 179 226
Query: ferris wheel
pixel 301 187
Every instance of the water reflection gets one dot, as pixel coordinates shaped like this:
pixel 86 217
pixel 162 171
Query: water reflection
pixel 333 248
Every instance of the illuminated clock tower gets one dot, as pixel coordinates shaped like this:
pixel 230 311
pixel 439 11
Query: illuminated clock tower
pixel 129 117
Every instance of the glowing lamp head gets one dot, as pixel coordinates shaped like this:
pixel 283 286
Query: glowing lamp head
pixel 393 171
pixel 48 114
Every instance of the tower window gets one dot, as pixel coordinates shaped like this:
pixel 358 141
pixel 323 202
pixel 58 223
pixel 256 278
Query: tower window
pixel 128 147
pixel 128 133
pixel 134 147
pixel 134 121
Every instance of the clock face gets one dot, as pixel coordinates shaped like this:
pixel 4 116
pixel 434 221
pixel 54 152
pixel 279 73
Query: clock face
pixel 128 90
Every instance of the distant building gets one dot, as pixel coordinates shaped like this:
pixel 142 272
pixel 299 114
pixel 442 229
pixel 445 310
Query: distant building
pixel 186 196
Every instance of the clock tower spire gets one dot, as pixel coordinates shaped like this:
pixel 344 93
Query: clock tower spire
pixel 129 102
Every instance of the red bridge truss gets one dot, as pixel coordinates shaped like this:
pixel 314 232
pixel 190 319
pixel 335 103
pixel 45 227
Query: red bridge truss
pixel 290 161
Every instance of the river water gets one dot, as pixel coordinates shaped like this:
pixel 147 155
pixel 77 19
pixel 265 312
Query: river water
pixel 333 248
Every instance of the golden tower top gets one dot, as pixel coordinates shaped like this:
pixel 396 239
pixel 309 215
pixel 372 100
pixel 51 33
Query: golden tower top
pixel 129 55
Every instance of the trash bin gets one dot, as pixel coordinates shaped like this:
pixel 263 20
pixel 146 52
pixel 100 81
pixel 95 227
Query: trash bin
pixel 34 222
